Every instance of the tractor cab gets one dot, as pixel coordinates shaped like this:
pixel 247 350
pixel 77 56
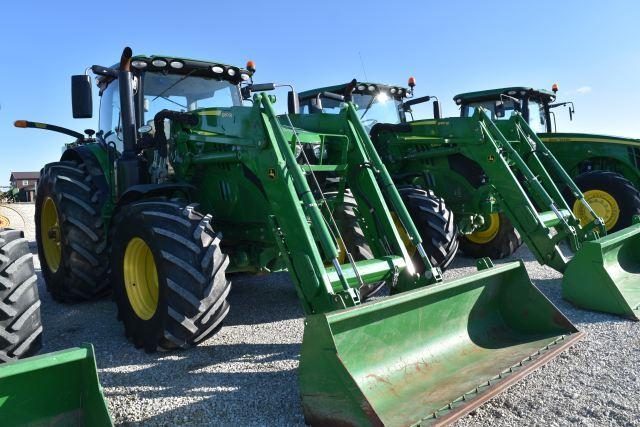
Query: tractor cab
pixel 167 83
pixel 535 105
pixel 375 102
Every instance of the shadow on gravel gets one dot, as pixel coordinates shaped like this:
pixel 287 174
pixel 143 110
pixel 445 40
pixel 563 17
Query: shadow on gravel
pixel 262 299
pixel 552 288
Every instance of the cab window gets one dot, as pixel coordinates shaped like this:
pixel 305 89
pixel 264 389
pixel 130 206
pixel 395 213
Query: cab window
pixel 110 118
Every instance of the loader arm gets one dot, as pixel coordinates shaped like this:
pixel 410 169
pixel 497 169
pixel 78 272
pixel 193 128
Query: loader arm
pixel 521 174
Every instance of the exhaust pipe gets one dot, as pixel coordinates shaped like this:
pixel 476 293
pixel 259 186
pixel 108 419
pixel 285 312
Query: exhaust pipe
pixel 128 167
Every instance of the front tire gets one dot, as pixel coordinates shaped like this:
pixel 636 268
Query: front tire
pixel 168 274
pixel 20 323
pixel 354 239
pixel 72 244
pixel 611 196
pixel 434 222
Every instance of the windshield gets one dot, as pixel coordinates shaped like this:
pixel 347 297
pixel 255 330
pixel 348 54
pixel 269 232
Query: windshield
pixel 186 93
pixel 495 110
pixel 166 91
pixel 372 109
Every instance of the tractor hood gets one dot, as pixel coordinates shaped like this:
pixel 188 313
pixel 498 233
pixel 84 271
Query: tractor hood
pixel 588 137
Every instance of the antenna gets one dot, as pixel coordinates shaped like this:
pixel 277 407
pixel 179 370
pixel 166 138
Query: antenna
pixel 363 69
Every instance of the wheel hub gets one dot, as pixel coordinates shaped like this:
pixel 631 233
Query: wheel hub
pixel 51 243
pixel 488 232
pixel 603 204
pixel 141 278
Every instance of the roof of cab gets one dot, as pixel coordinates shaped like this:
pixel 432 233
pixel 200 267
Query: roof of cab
pixel 486 95
pixel 361 87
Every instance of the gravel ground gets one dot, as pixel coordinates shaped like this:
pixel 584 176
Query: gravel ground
pixel 246 374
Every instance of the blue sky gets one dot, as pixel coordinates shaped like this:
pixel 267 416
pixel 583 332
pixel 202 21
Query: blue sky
pixel 590 48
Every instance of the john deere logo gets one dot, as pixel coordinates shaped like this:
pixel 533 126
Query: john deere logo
pixel 4 221
pixel 491 158
pixel 271 173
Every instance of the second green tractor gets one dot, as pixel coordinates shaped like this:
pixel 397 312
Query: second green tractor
pixel 504 187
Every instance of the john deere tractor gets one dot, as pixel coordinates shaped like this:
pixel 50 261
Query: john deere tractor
pixel 192 176
pixel 503 185
pixel 605 168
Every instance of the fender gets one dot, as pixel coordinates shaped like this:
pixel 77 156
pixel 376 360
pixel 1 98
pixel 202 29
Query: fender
pixel 143 191
pixel 96 160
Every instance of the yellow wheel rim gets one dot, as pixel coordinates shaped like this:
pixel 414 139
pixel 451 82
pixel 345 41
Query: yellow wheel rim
pixel 488 232
pixel 604 205
pixel 141 278
pixel 411 248
pixel 4 221
pixel 50 234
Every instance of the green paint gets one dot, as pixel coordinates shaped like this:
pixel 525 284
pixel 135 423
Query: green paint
pixel 515 173
pixel 59 388
pixel 399 361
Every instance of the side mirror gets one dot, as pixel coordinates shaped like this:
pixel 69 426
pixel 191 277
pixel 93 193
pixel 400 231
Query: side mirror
pixel 499 109
pixel 293 102
pixel 81 97
pixel 437 111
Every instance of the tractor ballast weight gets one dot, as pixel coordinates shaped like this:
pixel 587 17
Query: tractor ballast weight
pixel 59 388
pixel 248 169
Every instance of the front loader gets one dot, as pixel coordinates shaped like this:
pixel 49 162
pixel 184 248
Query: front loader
pixel 59 388
pixel 193 177
pixel 606 168
pixel 502 183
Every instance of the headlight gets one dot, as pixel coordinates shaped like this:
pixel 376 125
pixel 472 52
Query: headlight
pixel 298 150
pixel 160 63
pixel 138 64
pixel 371 88
pixel 176 64
pixel 217 69
pixel 244 76
pixel 361 87
pixel 231 72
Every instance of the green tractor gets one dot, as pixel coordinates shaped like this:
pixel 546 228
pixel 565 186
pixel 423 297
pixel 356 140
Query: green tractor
pixel 605 168
pixel 193 177
pixel 503 185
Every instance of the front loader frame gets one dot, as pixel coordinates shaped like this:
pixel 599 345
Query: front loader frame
pixel 518 170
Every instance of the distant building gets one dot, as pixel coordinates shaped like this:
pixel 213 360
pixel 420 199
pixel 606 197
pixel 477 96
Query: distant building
pixel 26 183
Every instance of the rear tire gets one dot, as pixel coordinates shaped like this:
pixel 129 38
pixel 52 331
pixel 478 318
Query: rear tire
pixel 78 269
pixel 20 323
pixel 190 283
pixel 503 241
pixel 610 194
pixel 434 222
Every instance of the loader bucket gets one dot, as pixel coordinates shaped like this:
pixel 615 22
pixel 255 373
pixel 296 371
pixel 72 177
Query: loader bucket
pixel 604 275
pixel 55 389
pixel 430 355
